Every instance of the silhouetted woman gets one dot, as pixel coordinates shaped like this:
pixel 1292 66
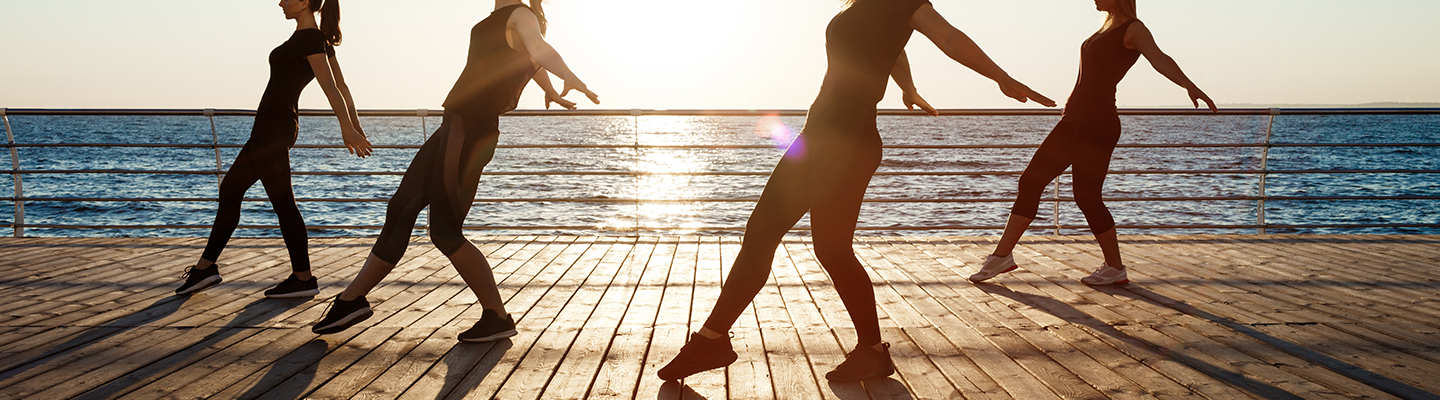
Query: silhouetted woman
pixel 825 172
pixel 507 49
pixel 308 55
pixel 1085 137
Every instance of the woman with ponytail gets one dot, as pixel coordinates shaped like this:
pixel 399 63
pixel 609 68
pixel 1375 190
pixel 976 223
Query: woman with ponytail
pixel 507 49
pixel 1085 138
pixel 308 55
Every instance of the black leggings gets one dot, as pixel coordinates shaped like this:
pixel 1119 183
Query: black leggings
pixel 1087 145
pixel 266 161
pixel 825 174
pixel 424 185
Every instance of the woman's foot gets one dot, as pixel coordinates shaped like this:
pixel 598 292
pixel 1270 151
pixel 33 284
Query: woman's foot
pixel 490 328
pixel 700 354
pixel 864 363
pixel 1106 275
pixel 197 279
pixel 342 315
pixel 994 265
pixel 292 287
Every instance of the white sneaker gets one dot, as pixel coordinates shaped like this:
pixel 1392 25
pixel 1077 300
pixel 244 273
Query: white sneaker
pixel 994 266
pixel 1105 275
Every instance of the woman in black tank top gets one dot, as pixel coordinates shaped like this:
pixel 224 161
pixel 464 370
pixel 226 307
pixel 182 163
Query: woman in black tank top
pixel 507 50
pixel 825 172
pixel 1085 138
pixel 308 55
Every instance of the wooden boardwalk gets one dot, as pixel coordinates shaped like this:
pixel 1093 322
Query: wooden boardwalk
pixel 1220 317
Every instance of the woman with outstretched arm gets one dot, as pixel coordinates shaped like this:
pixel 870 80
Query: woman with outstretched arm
pixel 825 172
pixel 308 55
pixel 507 49
pixel 1085 138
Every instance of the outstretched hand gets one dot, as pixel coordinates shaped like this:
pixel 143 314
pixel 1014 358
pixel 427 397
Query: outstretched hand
pixel 1196 96
pixel 356 142
pixel 913 100
pixel 553 97
pixel 1018 91
pixel 577 85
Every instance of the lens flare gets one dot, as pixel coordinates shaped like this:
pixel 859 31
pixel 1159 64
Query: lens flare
pixel 772 128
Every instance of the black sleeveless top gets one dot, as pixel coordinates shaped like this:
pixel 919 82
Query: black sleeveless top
pixel 1104 60
pixel 290 72
pixel 861 46
pixel 494 74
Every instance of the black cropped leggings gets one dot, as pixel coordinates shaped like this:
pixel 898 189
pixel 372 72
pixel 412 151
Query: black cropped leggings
pixel 1085 145
pixel 825 174
pixel 424 185
pixel 266 160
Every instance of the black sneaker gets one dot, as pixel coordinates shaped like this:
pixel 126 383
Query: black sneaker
pixel 489 328
pixel 862 364
pixel 292 287
pixel 342 315
pixel 700 354
pixel 197 279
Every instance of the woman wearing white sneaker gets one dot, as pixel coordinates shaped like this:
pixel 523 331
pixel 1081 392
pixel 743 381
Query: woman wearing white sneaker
pixel 1086 136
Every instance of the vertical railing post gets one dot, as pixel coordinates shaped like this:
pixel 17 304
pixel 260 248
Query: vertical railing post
pixel 1057 205
pixel 424 131
pixel 19 225
pixel 215 145
pixel 635 171
pixel 1264 172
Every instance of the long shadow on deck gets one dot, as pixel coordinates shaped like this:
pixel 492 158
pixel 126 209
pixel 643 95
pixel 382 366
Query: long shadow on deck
pixel 1359 374
pixel 159 309
pixel 1075 316
pixel 259 310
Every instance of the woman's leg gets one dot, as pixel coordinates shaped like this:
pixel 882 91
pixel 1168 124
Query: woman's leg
pixel 1049 161
pixel 239 179
pixel 1092 165
pixel 785 199
pixel 847 165
pixel 448 217
pixel 400 214
pixel 274 173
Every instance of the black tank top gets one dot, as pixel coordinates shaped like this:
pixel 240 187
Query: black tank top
pixel 494 74
pixel 861 46
pixel 290 72
pixel 1104 60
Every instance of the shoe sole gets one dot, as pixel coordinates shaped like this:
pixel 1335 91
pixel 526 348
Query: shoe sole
pixel 208 282
pixel 1012 268
pixel 344 323
pixel 491 338
pixel 722 363
pixel 291 295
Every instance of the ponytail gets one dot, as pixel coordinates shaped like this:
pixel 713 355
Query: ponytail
pixel 539 14
pixel 329 19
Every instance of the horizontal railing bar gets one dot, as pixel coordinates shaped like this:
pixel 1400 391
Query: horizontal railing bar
pixel 729 228
pixel 437 112
pixel 755 173
pixel 738 146
pixel 713 200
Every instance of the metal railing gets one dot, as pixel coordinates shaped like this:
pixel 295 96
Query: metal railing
pixel 1263 172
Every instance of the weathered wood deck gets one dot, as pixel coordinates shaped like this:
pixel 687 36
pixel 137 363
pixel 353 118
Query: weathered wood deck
pixel 1219 317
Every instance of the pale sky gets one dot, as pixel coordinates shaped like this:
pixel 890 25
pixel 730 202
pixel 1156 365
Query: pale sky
pixel 741 54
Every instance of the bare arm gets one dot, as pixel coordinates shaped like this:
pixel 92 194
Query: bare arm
pixel 960 48
pixel 345 91
pixel 527 28
pixel 911 97
pixel 354 141
pixel 1138 37
pixel 542 78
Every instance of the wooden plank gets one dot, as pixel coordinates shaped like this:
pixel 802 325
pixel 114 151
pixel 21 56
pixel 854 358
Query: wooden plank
pixel 625 358
pixel 819 316
pixel 749 377
pixel 577 371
